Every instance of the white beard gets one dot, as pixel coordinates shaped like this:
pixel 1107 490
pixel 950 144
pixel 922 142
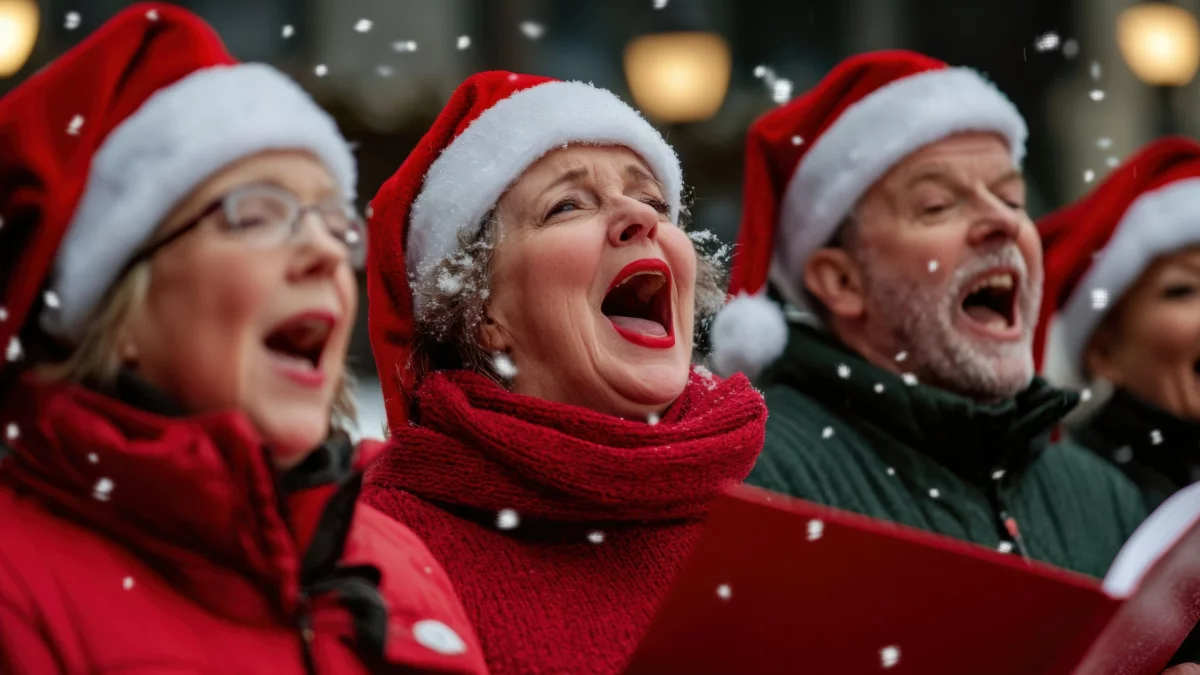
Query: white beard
pixel 921 320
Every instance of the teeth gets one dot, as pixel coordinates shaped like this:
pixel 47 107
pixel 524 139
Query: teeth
pixel 1002 282
pixel 650 287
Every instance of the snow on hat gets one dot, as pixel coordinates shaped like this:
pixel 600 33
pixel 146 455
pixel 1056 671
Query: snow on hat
pixel 809 161
pixel 496 125
pixel 1096 248
pixel 99 146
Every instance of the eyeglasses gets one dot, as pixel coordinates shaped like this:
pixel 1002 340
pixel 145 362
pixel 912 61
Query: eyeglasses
pixel 266 217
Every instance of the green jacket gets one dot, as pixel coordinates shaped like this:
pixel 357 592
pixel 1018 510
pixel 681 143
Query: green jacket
pixel 848 434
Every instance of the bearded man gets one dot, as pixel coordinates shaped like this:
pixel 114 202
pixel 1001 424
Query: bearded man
pixel 888 202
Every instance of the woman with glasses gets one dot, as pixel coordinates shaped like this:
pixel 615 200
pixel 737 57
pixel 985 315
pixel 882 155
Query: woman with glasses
pixel 176 299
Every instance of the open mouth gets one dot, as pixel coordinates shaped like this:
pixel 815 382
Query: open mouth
pixel 298 344
pixel 991 303
pixel 638 304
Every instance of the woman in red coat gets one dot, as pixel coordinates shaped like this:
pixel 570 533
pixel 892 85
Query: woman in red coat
pixel 532 309
pixel 176 301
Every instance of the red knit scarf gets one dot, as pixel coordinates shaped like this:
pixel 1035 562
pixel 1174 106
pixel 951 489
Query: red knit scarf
pixel 480 446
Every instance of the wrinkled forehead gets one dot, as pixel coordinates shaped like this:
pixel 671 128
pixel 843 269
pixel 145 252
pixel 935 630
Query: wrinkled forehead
pixel 961 158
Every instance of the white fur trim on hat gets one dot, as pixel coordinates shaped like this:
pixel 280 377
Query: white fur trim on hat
pixel 748 334
pixel 154 158
pixel 867 140
pixel 475 170
pixel 1157 223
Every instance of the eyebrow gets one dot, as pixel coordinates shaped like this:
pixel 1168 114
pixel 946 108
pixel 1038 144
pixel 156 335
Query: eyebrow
pixel 637 174
pixel 572 176
pixel 940 174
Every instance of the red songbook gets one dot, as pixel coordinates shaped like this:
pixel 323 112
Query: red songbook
pixel 779 585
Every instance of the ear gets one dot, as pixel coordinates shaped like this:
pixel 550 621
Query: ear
pixel 491 335
pixel 833 277
pixel 1100 357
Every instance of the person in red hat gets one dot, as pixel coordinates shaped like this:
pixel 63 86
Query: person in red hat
pixel 176 300
pixel 887 207
pixel 1123 309
pixel 533 302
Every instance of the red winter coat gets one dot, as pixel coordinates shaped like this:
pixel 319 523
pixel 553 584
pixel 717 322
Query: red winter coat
pixel 604 510
pixel 140 542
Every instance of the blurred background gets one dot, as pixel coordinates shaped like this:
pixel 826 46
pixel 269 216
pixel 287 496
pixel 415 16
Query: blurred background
pixel 1094 78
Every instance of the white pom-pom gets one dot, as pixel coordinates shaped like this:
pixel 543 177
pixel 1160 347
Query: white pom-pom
pixel 747 335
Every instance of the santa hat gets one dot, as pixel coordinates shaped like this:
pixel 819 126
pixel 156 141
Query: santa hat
pixel 495 126
pixel 99 146
pixel 1096 248
pixel 809 161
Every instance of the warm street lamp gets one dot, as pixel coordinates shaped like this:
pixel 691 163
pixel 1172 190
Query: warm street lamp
pixel 1161 44
pixel 678 77
pixel 18 31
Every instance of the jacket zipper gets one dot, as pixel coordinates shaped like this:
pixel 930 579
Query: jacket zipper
pixel 1008 527
pixel 306 636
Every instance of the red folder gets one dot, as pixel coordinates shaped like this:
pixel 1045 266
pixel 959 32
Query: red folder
pixel 778 585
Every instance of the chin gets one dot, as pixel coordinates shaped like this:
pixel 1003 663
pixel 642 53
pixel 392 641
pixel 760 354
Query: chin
pixel 291 438
pixel 650 388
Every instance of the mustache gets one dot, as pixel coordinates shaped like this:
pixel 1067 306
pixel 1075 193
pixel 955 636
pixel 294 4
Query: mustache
pixel 1007 256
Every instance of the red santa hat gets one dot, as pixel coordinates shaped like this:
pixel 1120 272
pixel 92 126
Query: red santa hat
pixel 495 126
pixel 1096 248
pixel 809 161
pixel 99 146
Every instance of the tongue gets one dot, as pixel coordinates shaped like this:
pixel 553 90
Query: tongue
pixel 636 325
pixel 986 316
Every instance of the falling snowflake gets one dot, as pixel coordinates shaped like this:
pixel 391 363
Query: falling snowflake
pixel 1123 454
pixel 816 528
pixel 1085 395
pixel 363 25
pixel 51 299
pixel 889 656
pixel 508 519
pixel 659 4
pixel 464 42
pixel 1112 161
pixel 781 90
pixel 93 458
pixel 843 371
pixel 797 140
pixel 596 537
pixel 504 366
pixel 1156 437
pixel 404 46
pixel 901 356
pixel 288 31
pixel 321 70
pixel 1089 176
pixel 75 125
pixel 383 71
pixel 127 583
pixel 933 265
pixel 1005 547
pixel 878 387
pixel 891 471
pixel 935 493
pixel 762 71
pixel 3 314
pixel 152 15
pixel 532 29
pixel 1046 42
pixel 1104 142
pixel 724 592
pixel 1095 70
pixel 652 419
pixel 428 570
pixel 1070 49
pixel 998 474
pixel 909 379
pixel 12 431
pixel 13 352
pixel 103 489
pixel 72 21
pixel 827 432
pixel 1096 94
pixel 1099 298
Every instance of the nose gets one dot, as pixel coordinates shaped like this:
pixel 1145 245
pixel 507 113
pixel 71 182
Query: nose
pixel 997 222
pixel 316 252
pixel 632 221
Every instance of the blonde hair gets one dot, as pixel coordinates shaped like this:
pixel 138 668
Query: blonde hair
pixel 96 361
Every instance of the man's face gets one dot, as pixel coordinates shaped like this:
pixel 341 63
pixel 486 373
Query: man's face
pixel 951 268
